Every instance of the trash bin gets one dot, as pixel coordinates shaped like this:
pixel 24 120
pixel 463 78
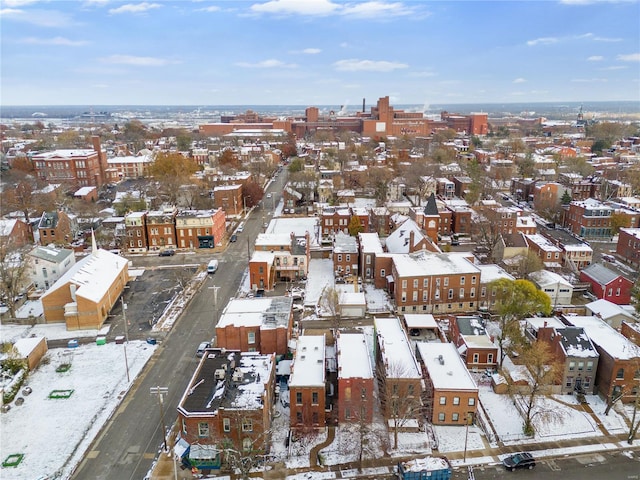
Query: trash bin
pixel 72 343
pixel 120 339
pixel 101 340
pixel 151 341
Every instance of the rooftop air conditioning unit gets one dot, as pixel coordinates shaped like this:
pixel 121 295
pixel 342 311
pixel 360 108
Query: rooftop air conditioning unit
pixel 219 374
pixel 238 376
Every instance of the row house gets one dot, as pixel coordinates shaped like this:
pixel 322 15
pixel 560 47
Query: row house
pixel 136 232
pixel 161 228
pixel 460 216
pixel 229 198
pixel 381 220
pixel 200 156
pixel 337 219
pixel 572 348
pixel 630 216
pixel 547 251
pixel 474 344
pixel 55 228
pixel 548 195
pixel 238 416
pixel 307 383
pixel 279 257
pixel 461 185
pixel 200 228
pixel 446 188
pixel 559 290
pixel 345 254
pixel 508 220
pixel 48 264
pixel 581 188
pixel 577 256
pixel 490 273
pixel 355 379
pixel 437 283
pixel 128 167
pixel 607 284
pixel 628 246
pixel 15 232
pixel 589 218
pixel 400 376
pixel 451 393
pixel 615 188
pixel 370 247
pixel 618 373
pixel 256 325
pixel 522 189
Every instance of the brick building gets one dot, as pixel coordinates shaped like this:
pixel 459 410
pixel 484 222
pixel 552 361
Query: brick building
pixel 589 218
pixel 136 232
pixel 473 342
pixel 161 229
pixel 607 284
pixel 355 379
pixel 628 246
pixel 451 395
pixel 200 228
pixel 256 325
pixel 307 383
pixel 55 227
pixel 229 198
pixel 345 254
pixel 14 232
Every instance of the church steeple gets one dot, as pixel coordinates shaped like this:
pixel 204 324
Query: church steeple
pixel 431 208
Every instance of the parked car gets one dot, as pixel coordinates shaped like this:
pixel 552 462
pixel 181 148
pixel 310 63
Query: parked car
pixel 268 195
pixel 233 238
pixel 240 228
pixel 201 348
pixel 519 460
pixel 167 253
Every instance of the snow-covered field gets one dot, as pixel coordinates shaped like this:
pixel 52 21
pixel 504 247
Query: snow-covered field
pixel 53 434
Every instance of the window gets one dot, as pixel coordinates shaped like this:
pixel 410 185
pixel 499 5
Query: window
pixel 203 429
pixel 404 284
pixel 314 398
pixel 473 292
pixel 226 424
pixel 446 281
pixel 395 389
pixel 461 280
pixel 476 357
pixel 472 402
pixel 424 295
pixel 456 400
pixel 620 373
pixel 348 259
pixel 450 293
pixel 251 338
pixel 569 382
pixel 347 393
pixel 369 260
pixel 246 445
pixel 247 425
pixel 572 366
pixel 410 390
pixel 314 418
pixel 298 417
pixel 473 280
pixel 490 358
pixel 382 273
pixel 483 291
pixel 299 398
pixel 587 381
pixel 425 283
pixel 462 293
pixel 415 296
pixel 339 257
pixel 589 366
pixel 347 413
pixel 455 417
pixel 415 283
pixel 580 366
pixel 441 417
pixel 443 400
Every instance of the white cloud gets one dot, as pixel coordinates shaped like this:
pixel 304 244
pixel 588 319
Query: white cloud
pixel 134 8
pixel 615 67
pixel 589 80
pixel 595 38
pixel 138 61
pixel 296 7
pixel 271 63
pixel 377 9
pixel 355 65
pixel 54 41
pixel 18 3
pixel 422 74
pixel 595 58
pixel 41 18
pixel 542 41
pixel 519 80
pixel 311 51
pixel 210 9
pixel 631 57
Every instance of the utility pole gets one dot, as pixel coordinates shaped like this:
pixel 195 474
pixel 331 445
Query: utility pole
pixel 126 337
pixel 161 391
pixel 215 305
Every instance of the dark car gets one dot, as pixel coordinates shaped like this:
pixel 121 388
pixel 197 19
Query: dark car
pixel 234 238
pixel 519 460
pixel 167 253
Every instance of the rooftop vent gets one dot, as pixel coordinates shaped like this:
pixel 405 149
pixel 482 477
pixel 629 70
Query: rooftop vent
pixel 441 359
pixel 219 374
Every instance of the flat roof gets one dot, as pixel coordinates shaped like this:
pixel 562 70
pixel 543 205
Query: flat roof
pixel 418 320
pixel 445 367
pixel 395 349
pixel 307 369
pixel 353 356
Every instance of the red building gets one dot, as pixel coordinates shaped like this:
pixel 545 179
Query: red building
pixel 355 379
pixel 589 218
pixel 14 232
pixel 628 246
pixel 307 383
pixel 55 227
pixel 161 229
pixel 200 228
pixel 136 232
pixel 229 198
pixel 474 344
pixel 607 284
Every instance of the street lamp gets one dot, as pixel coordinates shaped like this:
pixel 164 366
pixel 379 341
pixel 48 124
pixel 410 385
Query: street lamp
pixel 126 337
pixel 215 305
pixel 161 391
pixel 466 434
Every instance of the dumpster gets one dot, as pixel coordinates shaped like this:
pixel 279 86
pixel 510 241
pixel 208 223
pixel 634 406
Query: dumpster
pixel 119 339
pixel 426 468
pixel 101 340
pixel 72 343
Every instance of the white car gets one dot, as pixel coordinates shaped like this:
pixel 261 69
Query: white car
pixel 268 195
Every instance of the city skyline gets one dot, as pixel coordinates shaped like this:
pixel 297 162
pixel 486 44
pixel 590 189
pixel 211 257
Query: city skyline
pixel 316 52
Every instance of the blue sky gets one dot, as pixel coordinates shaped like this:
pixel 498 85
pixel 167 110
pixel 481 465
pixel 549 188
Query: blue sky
pixel 317 52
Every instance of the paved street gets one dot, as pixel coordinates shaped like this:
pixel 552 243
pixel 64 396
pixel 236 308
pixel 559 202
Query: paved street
pixel 131 440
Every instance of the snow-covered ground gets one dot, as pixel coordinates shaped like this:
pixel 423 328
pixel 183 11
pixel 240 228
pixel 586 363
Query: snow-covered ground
pixel 54 434
pixel 320 276
pixel 377 300
pixel 57 331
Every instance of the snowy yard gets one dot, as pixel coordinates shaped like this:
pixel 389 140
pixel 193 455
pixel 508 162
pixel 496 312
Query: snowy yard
pixel 377 300
pixel 54 433
pixel 320 276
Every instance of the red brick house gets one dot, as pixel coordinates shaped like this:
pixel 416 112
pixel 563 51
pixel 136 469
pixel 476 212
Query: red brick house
pixel 628 246
pixel 239 417
pixel 345 254
pixel 228 198
pixel 256 325
pixel 55 227
pixel 161 229
pixel 307 391
pixel 14 232
pixel 607 284
pixel 355 378
pixel 136 232
pixel 474 344
pixel 200 228
pixel 589 218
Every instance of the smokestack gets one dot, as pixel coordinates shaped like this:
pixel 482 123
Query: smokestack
pixel 363 103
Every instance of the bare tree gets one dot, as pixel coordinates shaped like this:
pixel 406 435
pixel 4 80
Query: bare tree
pixel 399 395
pixel 544 371
pixel 330 303
pixel 13 273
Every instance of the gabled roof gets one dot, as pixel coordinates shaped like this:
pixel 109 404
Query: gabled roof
pixel 51 254
pixel 606 309
pixel 398 241
pixel 600 273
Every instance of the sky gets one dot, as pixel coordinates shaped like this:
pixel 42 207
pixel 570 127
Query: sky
pixel 317 52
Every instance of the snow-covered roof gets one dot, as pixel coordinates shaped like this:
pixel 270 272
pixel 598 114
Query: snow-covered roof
pixel 93 276
pixel 600 273
pixel 370 242
pixel 51 253
pixel 614 343
pixel 542 322
pixel 343 243
pixel 273 239
pixel 606 309
pixel 428 263
pixel 444 367
pixel 418 320
pixel 82 191
pixel 25 346
pixel 491 272
pixel 299 226
pixel 7 226
pixel 542 242
pixel 546 277
pixel 353 356
pixel 395 349
pixel 398 241
pixel 265 312
pixel 308 369
pixel 66 153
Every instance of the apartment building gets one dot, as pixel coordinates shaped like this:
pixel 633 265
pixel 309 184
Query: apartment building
pixel 451 395
pixel 229 198
pixel 200 228
pixel 55 228
pixel 589 219
pixel 136 232
pixel 628 246
pixel 48 264
pixel 307 383
pixel 355 379
pixel 161 229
